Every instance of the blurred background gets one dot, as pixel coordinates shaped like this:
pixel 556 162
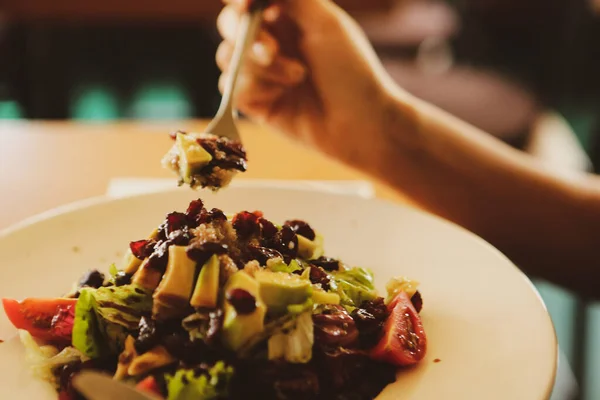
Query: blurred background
pixel 526 71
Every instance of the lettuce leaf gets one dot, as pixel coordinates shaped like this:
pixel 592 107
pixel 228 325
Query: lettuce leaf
pixel 104 316
pixel 86 332
pixel 294 345
pixel 123 305
pixel 45 360
pixel 187 385
pixel 400 284
pixel 113 270
pixel 354 286
pixel 283 267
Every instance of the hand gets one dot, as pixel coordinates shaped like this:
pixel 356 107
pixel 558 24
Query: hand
pixel 311 75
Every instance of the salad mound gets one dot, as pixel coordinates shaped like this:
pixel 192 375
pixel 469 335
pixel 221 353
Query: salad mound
pixel 211 306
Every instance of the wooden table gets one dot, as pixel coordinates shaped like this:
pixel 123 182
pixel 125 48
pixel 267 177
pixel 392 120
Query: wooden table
pixel 47 164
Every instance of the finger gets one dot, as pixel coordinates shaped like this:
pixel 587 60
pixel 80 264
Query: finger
pixel 253 96
pixel 282 70
pixel 265 48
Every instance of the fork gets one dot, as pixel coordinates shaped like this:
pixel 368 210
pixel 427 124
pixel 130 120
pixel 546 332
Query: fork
pixel 97 386
pixel 224 123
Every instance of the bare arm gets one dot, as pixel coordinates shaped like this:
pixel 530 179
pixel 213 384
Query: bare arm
pixel 548 224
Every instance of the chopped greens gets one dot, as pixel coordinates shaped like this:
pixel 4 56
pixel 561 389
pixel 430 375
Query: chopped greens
pixel 188 384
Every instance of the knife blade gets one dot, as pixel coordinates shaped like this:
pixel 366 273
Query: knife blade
pixel 97 386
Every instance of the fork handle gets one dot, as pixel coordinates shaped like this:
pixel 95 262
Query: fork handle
pixel 248 30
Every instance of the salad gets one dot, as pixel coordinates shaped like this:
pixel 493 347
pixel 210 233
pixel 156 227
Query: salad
pixel 203 160
pixel 211 306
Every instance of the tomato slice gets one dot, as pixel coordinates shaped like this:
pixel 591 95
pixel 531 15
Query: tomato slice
pixel 149 385
pixel 404 342
pixel 46 319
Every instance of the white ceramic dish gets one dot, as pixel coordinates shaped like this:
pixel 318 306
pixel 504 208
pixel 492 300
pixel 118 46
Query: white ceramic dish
pixel 485 322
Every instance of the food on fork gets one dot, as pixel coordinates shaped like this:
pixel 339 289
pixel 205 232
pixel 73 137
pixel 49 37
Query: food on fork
pixel 203 160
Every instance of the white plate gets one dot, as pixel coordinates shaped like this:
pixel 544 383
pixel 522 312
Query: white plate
pixel 484 320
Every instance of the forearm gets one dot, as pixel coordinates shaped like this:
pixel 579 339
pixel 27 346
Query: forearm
pixel 547 224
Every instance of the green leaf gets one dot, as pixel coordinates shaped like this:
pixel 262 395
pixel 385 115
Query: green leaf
pixel 354 286
pixel 104 316
pixel 87 337
pixel 283 267
pixel 113 270
pixel 186 385
pixel 294 345
pixel 123 305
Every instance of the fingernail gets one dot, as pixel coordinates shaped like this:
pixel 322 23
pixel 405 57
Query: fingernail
pixel 262 54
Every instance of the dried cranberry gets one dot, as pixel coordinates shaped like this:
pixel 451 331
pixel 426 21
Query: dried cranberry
pixel 176 221
pixel 93 279
pixel 159 258
pixel 142 249
pixel 417 301
pixel 147 337
pixel 201 252
pixel 318 276
pixel 231 147
pixel 334 327
pixel 122 278
pixel 370 318
pixel 243 302
pixel 215 214
pixel 328 264
pixel 195 208
pixel 180 237
pixel 302 228
pixel 209 145
pixel 268 229
pixel 246 224
pixel 263 254
pixel 286 242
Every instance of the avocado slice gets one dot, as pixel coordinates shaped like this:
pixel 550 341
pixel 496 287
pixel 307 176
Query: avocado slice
pixel 322 297
pixel 192 156
pixel 239 329
pixel 131 263
pixel 207 286
pixel 146 277
pixel 280 289
pixel 173 293
pixel 154 359
pixel 310 249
